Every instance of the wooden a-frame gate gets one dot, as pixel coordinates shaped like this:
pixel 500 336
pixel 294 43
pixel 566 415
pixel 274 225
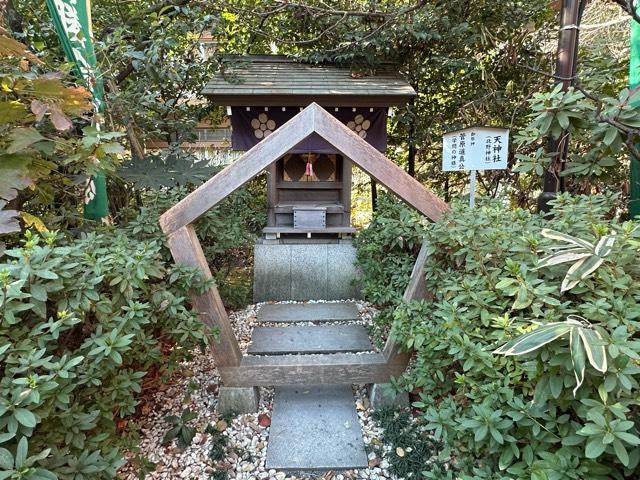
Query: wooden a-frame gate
pixel 177 224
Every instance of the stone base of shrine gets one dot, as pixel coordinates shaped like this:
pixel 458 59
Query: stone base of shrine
pixel 237 400
pixel 304 270
pixel 383 395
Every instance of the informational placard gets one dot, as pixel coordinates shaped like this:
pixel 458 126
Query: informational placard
pixel 475 148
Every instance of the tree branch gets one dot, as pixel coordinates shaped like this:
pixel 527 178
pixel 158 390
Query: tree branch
pixel 629 7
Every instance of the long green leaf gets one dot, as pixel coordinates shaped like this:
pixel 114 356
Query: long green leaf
pixel 605 245
pixel 533 340
pixel 563 257
pixel 577 357
pixel 553 235
pixel 579 271
pixel 570 280
pixel 594 347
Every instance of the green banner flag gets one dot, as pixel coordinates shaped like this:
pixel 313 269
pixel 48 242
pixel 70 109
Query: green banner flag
pixel 634 82
pixel 72 21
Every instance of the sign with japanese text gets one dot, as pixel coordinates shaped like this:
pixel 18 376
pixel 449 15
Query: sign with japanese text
pixel 475 148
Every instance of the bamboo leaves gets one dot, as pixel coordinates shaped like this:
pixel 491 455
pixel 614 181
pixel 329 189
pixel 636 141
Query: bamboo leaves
pixel 535 339
pixel 585 344
pixel 585 256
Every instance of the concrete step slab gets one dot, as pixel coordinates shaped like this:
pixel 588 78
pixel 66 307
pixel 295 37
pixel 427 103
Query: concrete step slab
pixel 308 312
pixel 309 339
pixel 315 428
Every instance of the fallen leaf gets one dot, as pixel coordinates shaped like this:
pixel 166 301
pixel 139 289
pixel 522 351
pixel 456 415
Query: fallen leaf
pixel 39 109
pixel 59 119
pixel 221 425
pixel 399 452
pixel 8 220
pixel 264 420
pixel 33 221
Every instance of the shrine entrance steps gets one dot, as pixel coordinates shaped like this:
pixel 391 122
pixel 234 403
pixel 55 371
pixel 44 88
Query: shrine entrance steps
pixel 310 344
pixel 314 427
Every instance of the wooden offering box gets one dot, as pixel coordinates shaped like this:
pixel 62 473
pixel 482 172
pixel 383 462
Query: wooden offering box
pixel 313 199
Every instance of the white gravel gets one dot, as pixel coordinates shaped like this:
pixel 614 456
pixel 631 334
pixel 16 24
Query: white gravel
pixel 195 387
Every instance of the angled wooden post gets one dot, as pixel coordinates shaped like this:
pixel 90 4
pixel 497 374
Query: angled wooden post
pixel 186 250
pixel 416 290
pixel 377 165
pixel 235 175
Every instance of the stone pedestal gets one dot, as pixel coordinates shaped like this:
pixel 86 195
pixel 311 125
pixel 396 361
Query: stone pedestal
pixel 311 270
pixel 237 400
pixel 383 395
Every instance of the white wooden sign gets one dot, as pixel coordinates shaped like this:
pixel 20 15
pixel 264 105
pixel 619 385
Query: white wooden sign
pixel 475 148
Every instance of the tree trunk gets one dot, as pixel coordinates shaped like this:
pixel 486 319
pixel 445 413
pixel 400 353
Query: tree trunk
pixel 374 195
pixel 566 66
pixel 9 16
pixel 411 157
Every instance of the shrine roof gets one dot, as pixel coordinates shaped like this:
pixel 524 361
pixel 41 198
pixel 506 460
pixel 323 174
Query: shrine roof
pixel 272 80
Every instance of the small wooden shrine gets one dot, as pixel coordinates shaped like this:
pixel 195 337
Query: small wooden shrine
pixel 308 188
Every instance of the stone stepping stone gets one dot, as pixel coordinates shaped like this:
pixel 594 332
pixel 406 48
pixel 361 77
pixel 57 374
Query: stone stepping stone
pixel 308 312
pixel 308 340
pixel 315 427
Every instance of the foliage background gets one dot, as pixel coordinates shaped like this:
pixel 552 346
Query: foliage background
pixel 505 417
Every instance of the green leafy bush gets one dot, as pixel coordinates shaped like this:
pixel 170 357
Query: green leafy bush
pixel 227 234
pixel 180 429
pixel 386 252
pixel 517 416
pixel 82 322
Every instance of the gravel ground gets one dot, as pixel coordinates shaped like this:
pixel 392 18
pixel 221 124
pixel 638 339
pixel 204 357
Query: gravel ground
pixel 246 436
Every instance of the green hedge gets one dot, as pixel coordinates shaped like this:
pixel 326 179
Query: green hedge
pixel 516 416
pixel 82 322
pixel 84 319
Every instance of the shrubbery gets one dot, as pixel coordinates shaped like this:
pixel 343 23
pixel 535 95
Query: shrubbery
pixel 386 252
pixel 227 234
pixel 85 320
pixel 517 416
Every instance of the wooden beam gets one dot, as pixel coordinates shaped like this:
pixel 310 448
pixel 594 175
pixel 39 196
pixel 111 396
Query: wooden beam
pixel 378 166
pixel 272 194
pixel 294 101
pixel 310 369
pixel 186 250
pixel 238 173
pixel 416 290
pixel 345 194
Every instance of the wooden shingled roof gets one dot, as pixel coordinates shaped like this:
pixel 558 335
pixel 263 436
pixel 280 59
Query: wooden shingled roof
pixel 272 80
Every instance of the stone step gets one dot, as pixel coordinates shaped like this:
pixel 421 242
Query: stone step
pixel 315 427
pixel 308 312
pixel 309 340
